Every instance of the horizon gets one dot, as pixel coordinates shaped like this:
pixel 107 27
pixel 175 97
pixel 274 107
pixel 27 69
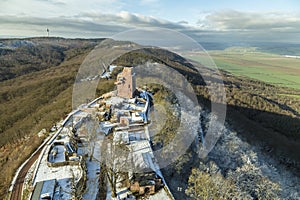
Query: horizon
pixel 229 44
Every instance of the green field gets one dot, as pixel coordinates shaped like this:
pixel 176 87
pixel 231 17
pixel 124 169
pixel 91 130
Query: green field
pixel 270 68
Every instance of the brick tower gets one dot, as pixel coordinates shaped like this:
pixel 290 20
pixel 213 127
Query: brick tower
pixel 126 84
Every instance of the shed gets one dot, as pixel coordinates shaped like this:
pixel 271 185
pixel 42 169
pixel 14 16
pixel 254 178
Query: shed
pixel 44 190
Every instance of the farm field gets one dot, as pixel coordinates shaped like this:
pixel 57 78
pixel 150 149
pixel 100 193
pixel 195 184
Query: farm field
pixel 271 68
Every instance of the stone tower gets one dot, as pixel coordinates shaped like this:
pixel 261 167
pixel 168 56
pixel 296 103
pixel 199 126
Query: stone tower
pixel 126 84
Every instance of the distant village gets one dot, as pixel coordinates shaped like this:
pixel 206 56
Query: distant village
pixel 102 147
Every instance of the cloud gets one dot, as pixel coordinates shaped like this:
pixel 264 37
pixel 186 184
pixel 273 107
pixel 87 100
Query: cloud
pixel 130 19
pixel 237 26
pixel 96 24
pixel 56 8
pixel 54 2
pixel 231 20
pixel 62 26
pixel 183 22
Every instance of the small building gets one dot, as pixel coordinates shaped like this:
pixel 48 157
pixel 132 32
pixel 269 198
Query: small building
pixel 146 183
pixel 126 83
pixel 57 153
pixel 62 151
pixel 124 121
pixel 44 190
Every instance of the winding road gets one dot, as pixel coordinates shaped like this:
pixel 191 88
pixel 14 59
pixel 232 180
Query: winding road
pixel 16 193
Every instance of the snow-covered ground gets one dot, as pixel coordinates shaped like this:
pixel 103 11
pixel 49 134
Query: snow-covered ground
pixel 93 170
pixel 137 138
pixel 234 154
pixel 45 172
pixel 143 158
pixel 68 175
pixel 160 195
pixel 63 174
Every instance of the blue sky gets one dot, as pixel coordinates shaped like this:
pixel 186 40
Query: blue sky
pixel 215 19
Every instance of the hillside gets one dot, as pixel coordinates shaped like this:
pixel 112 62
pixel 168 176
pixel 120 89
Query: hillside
pixel 36 92
pixel 37 99
pixel 20 57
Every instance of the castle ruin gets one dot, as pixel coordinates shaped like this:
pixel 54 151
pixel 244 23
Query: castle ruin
pixel 126 84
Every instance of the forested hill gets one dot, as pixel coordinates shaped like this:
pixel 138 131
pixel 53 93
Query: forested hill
pixel 22 56
pixel 37 75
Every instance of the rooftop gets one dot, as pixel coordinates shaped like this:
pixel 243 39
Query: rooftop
pixel 44 189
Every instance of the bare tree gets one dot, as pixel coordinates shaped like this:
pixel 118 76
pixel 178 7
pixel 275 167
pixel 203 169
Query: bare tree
pixel 203 185
pixel 115 163
pixel 250 179
pixel 91 126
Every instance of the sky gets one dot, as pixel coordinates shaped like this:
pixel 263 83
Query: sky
pixel 211 21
